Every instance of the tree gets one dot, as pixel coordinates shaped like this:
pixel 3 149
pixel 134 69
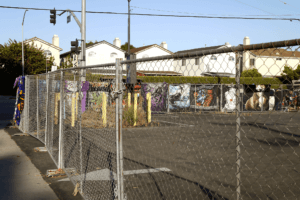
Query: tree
pixel 289 74
pixel 125 46
pixel 11 63
pixel 34 59
pixel 251 73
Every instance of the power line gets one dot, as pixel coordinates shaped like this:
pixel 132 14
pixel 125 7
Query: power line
pixel 158 15
pixel 202 13
pixel 254 7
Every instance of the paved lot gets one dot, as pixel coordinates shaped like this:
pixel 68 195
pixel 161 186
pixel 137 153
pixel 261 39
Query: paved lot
pixel 200 151
pixel 197 154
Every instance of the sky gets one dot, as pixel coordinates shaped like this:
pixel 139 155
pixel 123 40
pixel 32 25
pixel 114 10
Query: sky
pixel 178 33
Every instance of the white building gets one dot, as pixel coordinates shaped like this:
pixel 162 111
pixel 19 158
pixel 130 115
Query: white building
pixel 157 67
pixel 99 53
pixel 223 63
pixel 46 46
pixel 270 62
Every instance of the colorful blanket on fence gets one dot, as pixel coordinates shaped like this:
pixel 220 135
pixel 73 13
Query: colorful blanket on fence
pixel 20 100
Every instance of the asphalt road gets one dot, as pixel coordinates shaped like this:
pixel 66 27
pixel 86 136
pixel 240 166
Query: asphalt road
pixel 197 157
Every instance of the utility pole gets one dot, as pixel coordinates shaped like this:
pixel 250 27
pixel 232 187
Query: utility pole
pixel 23 44
pixel 128 57
pixel 83 38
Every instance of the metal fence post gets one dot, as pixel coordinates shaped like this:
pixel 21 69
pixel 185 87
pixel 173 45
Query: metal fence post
pixel 60 147
pixel 37 108
pixel 26 118
pixel 47 111
pixel 238 126
pixel 120 97
pixel 117 129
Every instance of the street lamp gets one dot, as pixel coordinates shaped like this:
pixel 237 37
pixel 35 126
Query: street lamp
pixel 23 44
pixel 47 53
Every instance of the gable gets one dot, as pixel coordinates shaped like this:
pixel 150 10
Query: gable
pixel 152 48
pixel 43 42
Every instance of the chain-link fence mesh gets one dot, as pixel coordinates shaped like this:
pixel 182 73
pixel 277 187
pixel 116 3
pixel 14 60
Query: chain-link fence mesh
pixel 218 123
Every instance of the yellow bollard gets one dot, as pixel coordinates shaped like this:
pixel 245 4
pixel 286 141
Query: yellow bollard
pixel 129 99
pixel 73 110
pixel 149 106
pixel 76 107
pixel 104 108
pixel 135 109
pixel 57 98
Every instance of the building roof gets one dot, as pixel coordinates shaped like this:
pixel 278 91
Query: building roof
pixel 144 48
pixel 93 45
pixel 199 49
pixel 43 41
pixel 273 52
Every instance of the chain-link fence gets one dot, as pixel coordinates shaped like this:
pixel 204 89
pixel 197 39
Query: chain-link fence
pixel 199 124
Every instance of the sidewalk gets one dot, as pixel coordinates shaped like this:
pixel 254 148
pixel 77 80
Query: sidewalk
pixel 20 179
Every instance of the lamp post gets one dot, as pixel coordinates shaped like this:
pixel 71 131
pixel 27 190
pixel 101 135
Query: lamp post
pixel 23 44
pixel 47 53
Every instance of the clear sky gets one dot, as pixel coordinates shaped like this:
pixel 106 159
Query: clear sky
pixel 178 33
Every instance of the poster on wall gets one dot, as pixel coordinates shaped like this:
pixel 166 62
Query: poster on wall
pixel 203 97
pixel 228 98
pixel 256 98
pixel 179 97
pixel 159 93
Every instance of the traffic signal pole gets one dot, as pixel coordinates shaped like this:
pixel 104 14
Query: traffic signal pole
pixel 83 39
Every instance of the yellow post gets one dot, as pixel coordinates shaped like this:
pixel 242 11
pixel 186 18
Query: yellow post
pixel 135 108
pixel 104 109
pixel 73 110
pixel 76 103
pixel 57 98
pixel 149 106
pixel 129 99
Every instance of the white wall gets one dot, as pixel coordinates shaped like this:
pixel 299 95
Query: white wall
pixel 159 65
pixel 269 66
pixel 55 52
pixel 101 54
pixel 221 65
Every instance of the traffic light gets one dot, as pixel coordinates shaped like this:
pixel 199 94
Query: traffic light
pixel 53 16
pixel 74 46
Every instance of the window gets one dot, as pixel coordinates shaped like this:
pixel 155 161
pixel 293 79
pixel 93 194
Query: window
pixel 47 53
pixel 252 62
pixel 113 55
pixel 278 58
pixel 183 62
pixel 145 56
pixel 231 58
pixel 197 61
pixel 213 58
pixel 92 54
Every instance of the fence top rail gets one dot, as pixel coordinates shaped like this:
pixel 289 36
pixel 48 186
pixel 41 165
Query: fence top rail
pixel 235 49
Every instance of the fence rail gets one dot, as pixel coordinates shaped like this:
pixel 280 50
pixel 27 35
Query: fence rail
pixel 187 136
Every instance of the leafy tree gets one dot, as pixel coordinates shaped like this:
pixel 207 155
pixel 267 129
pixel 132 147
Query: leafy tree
pixel 125 46
pixel 34 59
pixel 251 73
pixel 11 63
pixel 289 74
